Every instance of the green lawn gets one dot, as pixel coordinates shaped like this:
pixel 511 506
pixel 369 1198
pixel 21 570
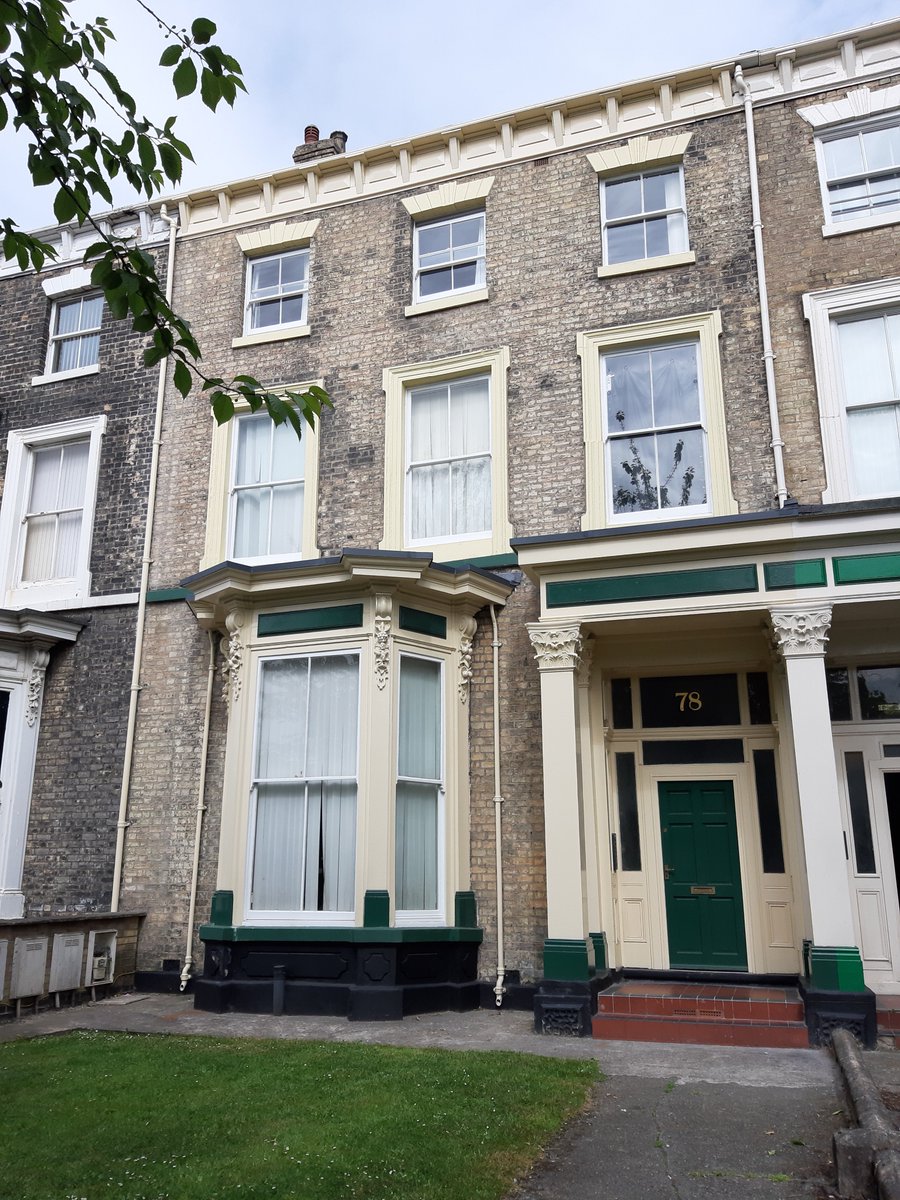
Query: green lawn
pixel 88 1116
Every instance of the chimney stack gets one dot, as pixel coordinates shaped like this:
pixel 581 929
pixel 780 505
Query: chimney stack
pixel 313 146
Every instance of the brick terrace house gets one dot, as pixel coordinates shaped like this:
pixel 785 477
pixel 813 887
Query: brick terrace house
pixel 518 681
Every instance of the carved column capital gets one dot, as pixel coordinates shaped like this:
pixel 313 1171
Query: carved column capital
pixel 384 611
pixel 557 649
pixel 467 627
pixel 801 632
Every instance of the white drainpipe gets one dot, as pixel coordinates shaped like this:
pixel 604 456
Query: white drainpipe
pixel 201 809
pixel 499 989
pixel 123 822
pixel 768 354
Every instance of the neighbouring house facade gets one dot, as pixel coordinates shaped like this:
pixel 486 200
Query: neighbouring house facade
pixel 566 646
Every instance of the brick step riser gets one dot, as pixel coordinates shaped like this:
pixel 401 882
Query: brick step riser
pixel 749 1012
pixel 703 1033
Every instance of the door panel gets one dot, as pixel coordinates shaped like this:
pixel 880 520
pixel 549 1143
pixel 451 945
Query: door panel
pixel 704 899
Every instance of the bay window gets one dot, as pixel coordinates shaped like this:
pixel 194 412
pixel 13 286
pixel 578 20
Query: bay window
pixel 420 786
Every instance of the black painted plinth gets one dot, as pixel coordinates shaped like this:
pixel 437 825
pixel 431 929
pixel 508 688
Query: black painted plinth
pixel 830 1010
pixel 565 1007
pixel 159 981
pixel 368 981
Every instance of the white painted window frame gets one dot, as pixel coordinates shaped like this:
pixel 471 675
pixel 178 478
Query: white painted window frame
pixel 823 310
pixel 21 444
pixel 397 381
pixel 56 339
pixel 220 507
pixel 301 290
pixel 412 918
pixel 644 216
pixel 234 489
pixel 479 258
pixel 870 220
pixel 704 328
pixel 303 917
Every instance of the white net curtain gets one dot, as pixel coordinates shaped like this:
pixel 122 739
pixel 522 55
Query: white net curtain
pixel 55 512
pixel 419 771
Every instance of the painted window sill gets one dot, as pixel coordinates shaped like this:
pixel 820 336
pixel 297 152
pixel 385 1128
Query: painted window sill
pixel 61 376
pixel 836 228
pixel 270 335
pixel 647 264
pixel 449 301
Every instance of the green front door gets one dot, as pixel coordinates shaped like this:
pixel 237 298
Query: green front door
pixel 704 904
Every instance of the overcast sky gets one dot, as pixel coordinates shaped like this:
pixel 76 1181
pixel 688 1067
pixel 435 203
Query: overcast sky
pixel 383 70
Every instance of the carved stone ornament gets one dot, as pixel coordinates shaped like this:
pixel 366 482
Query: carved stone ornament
pixel 35 687
pixel 558 649
pixel 232 657
pixel 586 655
pixel 466 635
pixel 382 655
pixel 801 631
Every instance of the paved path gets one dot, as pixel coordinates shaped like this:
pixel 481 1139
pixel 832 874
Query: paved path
pixel 679 1122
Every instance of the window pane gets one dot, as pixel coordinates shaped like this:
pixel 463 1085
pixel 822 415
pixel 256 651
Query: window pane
pixel 865 361
pixel 465 276
pixel 860 818
pixel 67 355
pixel 875 450
pixel 837 680
pixel 253 448
pixel 293 269
pixel 331 847
pixel 758 698
pixel 46 467
pixel 251 522
pixel 843 156
pixel 73 474
pixel 661 191
pixel 882 148
pixel 657 233
pixel 265 314
pixel 633 471
pixel 429 423
pixel 264 277
pixel 767 811
pixel 281 744
pixel 470 417
pixel 677 227
pixel 88 349
pixel 68 316
pixel 621 704
pixel 278 847
pixel 91 312
pixel 624 243
pixel 848 200
pixel 420 721
pixel 333 715
pixel 623 198
pixel 629 828
pixel 417 843
pixel 286 535
pixel 471 488
pixel 468 232
pixel 433 239
pixel 879 693
pixel 682 470
pixel 287 452
pixel 435 282
pixel 292 310
pixel 676 390
pixel 68 535
pixel 40 548
pixel 629 401
pixel 429 498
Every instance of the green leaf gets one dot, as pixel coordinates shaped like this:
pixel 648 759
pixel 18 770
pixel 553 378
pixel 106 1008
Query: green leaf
pixel 202 30
pixel 64 206
pixel 182 378
pixel 222 406
pixel 185 78
pixel 146 152
pixel 4 115
pixel 171 161
pixel 210 89
pixel 152 355
pixel 171 55
pixel 248 380
pixel 143 323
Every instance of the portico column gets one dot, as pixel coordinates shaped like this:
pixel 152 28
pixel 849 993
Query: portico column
pixel 558 654
pixel 800 635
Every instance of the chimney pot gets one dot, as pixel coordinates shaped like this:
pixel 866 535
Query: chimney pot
pixel 311 134
pixel 340 140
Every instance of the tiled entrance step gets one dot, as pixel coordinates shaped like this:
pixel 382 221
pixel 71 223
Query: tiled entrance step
pixel 709 1014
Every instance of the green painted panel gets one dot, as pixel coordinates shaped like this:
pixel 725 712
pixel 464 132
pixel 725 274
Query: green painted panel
pixel 660 585
pixel 566 959
pixel 309 620
pixel 415 620
pixel 465 910
pixel 601 957
pixel 866 568
pixel 487 562
pixel 836 968
pixel 376 910
pixel 802 573
pixel 700 851
pixel 222 908
pixel 160 595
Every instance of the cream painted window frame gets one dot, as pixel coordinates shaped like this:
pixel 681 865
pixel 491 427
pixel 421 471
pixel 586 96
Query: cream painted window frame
pixel 642 156
pixel 21 444
pixel 278 238
pixel 453 198
pixel 397 381
pixel 221 470
pixel 823 310
pixel 706 328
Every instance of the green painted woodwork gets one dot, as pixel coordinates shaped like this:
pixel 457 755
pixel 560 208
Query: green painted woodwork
pixel 866 568
pixel 221 911
pixel 310 620
pixel 658 585
pixel 465 910
pixel 566 959
pixel 487 562
pixel 335 933
pixel 802 573
pixel 700 850
pixel 160 595
pixel 600 955
pixel 836 968
pixel 376 910
pixel 414 620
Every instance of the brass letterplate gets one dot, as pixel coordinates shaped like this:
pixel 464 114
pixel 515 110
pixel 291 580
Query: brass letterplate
pixel 696 890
